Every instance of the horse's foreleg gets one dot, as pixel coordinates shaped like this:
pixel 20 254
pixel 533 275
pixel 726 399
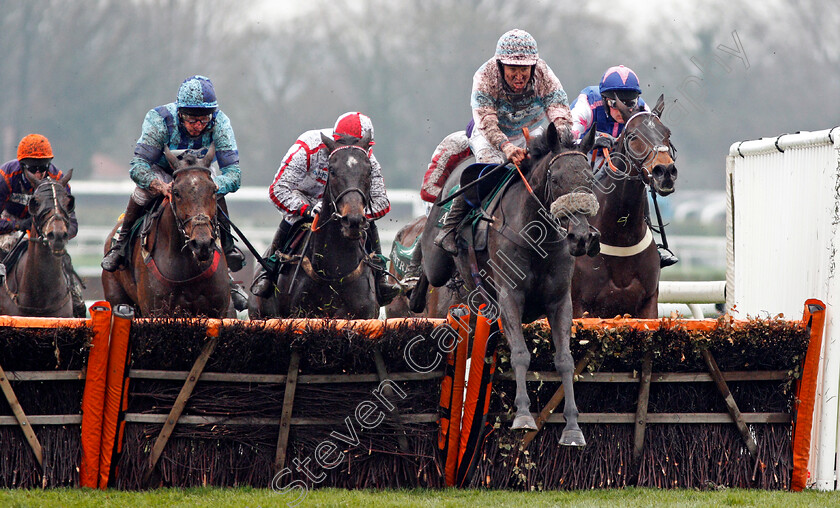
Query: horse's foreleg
pixel 650 308
pixel 520 358
pixel 560 319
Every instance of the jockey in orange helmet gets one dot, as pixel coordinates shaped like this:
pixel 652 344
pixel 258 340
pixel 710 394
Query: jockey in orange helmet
pixel 34 155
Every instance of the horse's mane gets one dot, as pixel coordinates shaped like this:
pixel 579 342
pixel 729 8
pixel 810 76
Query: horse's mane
pixel 541 145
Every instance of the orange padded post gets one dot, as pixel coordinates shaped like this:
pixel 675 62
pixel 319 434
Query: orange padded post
pixel 93 399
pixel 814 319
pixel 116 387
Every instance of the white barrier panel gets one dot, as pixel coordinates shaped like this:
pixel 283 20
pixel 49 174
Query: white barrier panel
pixel 783 212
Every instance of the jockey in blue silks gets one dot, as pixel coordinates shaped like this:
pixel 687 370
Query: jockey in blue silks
pixel 595 109
pixel 194 121
pixel 595 106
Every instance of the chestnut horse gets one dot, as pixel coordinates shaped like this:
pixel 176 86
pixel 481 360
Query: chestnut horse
pixel 624 277
pixel 178 268
pixel 333 275
pixel 526 270
pixel 37 284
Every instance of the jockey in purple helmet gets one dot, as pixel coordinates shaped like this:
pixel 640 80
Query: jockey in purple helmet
pixel 595 109
pixel 595 106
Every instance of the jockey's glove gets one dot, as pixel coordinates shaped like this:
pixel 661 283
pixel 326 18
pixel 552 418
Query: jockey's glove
pixel 22 224
pixel 604 141
pixel 313 210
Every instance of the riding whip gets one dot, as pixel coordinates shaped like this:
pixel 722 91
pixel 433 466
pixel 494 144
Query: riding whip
pixel 251 248
pixel 472 184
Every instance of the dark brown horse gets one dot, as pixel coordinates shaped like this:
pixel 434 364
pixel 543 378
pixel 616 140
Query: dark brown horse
pixel 624 277
pixel 526 270
pixel 332 276
pixel 37 285
pixel 178 268
pixel 438 300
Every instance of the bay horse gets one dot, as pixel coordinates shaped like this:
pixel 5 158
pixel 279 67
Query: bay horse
pixel 536 231
pixel 178 267
pixel 437 300
pixel 333 275
pixel 624 277
pixel 37 284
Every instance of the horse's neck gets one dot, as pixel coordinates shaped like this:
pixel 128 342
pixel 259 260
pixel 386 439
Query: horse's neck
pixel 40 276
pixel 622 205
pixel 332 252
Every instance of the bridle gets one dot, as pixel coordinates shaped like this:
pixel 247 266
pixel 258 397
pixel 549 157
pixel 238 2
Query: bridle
pixel 644 166
pixel 59 212
pixel 333 201
pixel 197 220
pixel 549 192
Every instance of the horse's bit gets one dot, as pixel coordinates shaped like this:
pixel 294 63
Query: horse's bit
pixel 645 171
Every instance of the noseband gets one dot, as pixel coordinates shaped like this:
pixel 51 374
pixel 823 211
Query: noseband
pixel 643 166
pixel 549 193
pixel 198 220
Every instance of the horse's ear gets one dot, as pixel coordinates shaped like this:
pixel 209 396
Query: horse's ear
pixel 622 108
pixel 365 141
pixel 173 161
pixel 328 141
pixel 66 177
pixel 32 178
pixel 588 140
pixel 208 159
pixel 553 137
pixel 660 106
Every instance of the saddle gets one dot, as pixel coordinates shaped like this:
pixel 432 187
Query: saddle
pixel 291 251
pixel 484 198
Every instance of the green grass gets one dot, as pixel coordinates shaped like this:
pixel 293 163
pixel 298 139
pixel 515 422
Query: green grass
pixel 617 498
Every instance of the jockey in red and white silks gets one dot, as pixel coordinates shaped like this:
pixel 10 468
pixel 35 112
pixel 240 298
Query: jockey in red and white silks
pixel 298 188
pixel 299 183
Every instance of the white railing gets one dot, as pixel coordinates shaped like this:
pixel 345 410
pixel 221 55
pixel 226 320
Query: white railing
pixel 783 212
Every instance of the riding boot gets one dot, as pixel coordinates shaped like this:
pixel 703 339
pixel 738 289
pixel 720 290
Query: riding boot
pixel 666 257
pixel 263 285
pixel 412 271
pixel 116 256
pixel 76 285
pixel 238 296
pixel 385 290
pixel 446 238
pixel 233 255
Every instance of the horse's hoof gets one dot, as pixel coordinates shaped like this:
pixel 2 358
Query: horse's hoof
pixel 525 423
pixel 572 437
